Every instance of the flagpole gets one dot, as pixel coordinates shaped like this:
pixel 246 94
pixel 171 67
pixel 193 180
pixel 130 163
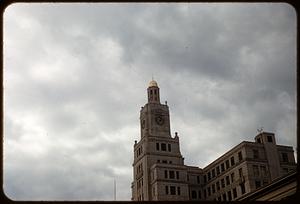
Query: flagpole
pixel 115 189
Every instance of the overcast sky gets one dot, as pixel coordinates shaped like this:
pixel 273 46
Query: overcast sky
pixel 75 78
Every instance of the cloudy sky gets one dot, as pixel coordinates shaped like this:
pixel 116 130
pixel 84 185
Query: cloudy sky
pixel 75 78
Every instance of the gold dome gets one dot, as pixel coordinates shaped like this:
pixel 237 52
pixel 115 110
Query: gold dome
pixel 153 83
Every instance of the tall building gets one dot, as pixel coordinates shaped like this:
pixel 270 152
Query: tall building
pixel 159 172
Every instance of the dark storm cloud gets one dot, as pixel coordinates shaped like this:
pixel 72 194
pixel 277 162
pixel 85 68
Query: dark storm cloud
pixel 76 76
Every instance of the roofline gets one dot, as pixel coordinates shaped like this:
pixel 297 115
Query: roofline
pixel 243 143
pixel 231 150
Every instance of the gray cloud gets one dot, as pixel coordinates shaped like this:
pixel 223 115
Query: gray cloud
pixel 75 77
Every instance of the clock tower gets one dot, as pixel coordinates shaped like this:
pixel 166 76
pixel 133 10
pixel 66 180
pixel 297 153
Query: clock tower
pixel 156 151
pixel 154 116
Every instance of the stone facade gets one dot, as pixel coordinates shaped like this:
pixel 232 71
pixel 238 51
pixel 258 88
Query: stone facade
pixel 159 172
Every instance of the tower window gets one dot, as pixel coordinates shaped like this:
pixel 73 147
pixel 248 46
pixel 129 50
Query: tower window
pixel 213 173
pixel 222 183
pixel 270 139
pixel 163 147
pixel 154 91
pixel 213 188
pixel 227 180
pixel 171 174
pixel 194 195
pixel 204 178
pixel 243 190
pixel 229 195
pixel 240 156
pixel 234 193
pixel 222 167
pixel 199 194
pixel 157 146
pixel 169 147
pixel 255 154
pixel 218 170
pixel 227 164
pixel 167 190
pixel 240 172
pixel 166 174
pixel 178 190
pixel 232 161
pixel 150 92
pixel 232 177
pixel 258 140
pixel 172 190
pixel 208 175
pixel 177 175
pixel 218 185
pixel 198 179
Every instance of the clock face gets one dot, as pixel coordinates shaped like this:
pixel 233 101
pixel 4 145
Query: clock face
pixel 159 120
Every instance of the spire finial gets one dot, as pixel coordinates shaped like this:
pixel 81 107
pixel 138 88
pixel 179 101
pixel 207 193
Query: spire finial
pixel 152 83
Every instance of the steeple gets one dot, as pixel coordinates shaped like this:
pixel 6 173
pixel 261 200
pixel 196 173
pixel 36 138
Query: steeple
pixel 153 92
